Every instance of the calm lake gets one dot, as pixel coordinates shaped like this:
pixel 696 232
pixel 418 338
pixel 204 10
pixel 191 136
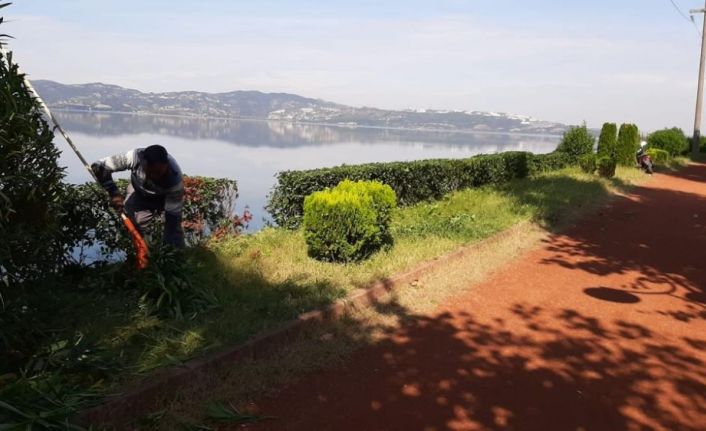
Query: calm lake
pixel 252 152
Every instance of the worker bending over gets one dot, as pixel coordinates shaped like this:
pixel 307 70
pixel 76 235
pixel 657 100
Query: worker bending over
pixel 155 188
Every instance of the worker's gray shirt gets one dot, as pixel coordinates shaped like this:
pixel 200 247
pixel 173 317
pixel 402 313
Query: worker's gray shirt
pixel 173 192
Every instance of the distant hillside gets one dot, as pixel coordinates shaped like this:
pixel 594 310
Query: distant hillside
pixel 279 106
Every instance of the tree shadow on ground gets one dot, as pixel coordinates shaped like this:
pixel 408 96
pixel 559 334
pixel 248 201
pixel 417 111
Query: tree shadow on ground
pixel 528 368
pixel 525 366
pixel 253 301
pixel 650 240
pixel 125 343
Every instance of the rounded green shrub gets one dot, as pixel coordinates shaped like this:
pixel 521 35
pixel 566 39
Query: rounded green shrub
pixel 607 140
pixel 628 143
pixel 576 142
pixel 606 167
pixel 671 140
pixel 349 222
pixel 383 199
pixel 659 157
pixel 587 162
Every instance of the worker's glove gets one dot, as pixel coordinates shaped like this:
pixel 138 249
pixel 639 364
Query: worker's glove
pixel 117 201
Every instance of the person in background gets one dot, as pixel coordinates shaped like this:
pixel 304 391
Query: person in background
pixel 640 151
pixel 156 187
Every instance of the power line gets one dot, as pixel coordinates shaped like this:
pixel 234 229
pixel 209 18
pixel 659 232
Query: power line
pixel 678 9
pixel 683 15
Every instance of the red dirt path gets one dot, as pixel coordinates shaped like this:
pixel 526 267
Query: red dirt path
pixel 601 328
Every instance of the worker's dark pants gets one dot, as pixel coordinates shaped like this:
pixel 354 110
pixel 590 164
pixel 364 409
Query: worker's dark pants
pixel 143 209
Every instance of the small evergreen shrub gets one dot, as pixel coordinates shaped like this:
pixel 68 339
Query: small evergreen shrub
pixel 606 167
pixel 576 142
pixel 587 162
pixel 659 157
pixel 628 144
pixel 607 140
pixel 349 222
pixel 671 140
pixel 383 200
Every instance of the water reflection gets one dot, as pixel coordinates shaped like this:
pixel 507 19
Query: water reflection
pixel 252 152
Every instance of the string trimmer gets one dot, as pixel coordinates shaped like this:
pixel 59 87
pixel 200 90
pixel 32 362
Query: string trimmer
pixel 139 243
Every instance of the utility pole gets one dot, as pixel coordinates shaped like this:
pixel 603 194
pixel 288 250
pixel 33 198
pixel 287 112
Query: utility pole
pixel 696 142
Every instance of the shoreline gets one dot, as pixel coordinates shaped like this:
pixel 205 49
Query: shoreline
pixel 313 123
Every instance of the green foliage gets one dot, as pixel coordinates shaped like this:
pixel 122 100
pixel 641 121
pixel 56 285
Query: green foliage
pixel 383 199
pixel 41 404
pixel 659 157
pixel 702 143
pixel 576 142
pixel 167 287
pixel 606 167
pixel 671 140
pixel 608 140
pixel 30 183
pixel 587 162
pixel 628 144
pixel 91 228
pixel 88 222
pixel 349 222
pixel 412 182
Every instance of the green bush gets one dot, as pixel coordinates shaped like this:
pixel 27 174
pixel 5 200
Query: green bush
pixel 671 140
pixel 607 140
pixel 606 167
pixel 383 199
pixel 576 142
pixel 587 162
pixel 412 182
pixel 30 184
pixel 702 143
pixel 659 157
pixel 628 144
pixel 349 222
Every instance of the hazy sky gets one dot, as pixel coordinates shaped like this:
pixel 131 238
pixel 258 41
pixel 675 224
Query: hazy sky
pixel 600 60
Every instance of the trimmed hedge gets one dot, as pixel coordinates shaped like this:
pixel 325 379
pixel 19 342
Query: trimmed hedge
pixel 576 142
pixel 628 143
pixel 606 167
pixel 349 222
pixel 608 140
pixel 412 182
pixel 659 157
pixel 587 162
pixel 671 140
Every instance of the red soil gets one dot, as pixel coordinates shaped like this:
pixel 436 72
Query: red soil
pixel 601 328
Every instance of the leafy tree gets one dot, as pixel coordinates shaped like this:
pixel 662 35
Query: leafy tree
pixel 671 140
pixel 608 140
pixel 576 142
